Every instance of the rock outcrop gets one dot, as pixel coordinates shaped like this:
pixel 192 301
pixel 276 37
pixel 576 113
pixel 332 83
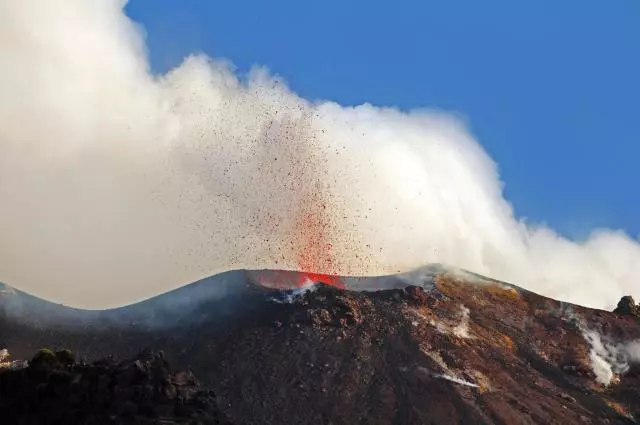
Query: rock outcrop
pixel 627 305
pixel 54 389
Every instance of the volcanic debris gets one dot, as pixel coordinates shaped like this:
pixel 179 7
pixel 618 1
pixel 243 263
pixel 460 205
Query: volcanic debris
pixel 55 389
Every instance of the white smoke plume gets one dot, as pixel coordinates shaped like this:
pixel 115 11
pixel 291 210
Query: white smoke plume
pixel 462 329
pixel 117 185
pixel 456 380
pixel 447 377
pixel 609 358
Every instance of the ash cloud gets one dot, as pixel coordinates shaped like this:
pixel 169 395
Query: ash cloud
pixel 117 184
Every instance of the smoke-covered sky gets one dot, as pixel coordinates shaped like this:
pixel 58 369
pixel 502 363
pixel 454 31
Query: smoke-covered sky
pixel 549 88
pixel 117 183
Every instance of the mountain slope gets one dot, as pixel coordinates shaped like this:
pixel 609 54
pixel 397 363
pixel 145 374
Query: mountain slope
pixel 454 348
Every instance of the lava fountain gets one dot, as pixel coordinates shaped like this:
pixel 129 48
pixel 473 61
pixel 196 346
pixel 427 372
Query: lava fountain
pixel 313 228
pixel 313 248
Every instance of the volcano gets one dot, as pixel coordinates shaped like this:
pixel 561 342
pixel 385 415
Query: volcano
pixel 434 346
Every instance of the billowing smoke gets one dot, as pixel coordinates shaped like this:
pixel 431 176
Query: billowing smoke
pixel 116 184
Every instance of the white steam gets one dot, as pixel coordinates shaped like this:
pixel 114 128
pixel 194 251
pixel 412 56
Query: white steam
pixel 116 185
pixel 608 358
pixel 462 329
pixel 447 377
pixel 456 380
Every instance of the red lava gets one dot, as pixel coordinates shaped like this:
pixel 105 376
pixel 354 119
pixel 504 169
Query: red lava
pixel 314 250
pixel 282 279
pixel 312 231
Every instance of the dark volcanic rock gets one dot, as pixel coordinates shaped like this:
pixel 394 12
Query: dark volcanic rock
pixel 447 351
pixel 628 306
pixel 54 389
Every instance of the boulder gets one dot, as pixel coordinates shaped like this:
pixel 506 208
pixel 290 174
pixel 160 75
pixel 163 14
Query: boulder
pixel 627 306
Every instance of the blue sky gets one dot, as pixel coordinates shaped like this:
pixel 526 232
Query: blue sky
pixel 551 89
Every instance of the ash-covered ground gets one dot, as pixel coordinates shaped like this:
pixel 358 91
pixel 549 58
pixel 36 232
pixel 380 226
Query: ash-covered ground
pixel 435 346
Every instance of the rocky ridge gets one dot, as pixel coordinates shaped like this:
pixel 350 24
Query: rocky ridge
pixel 448 349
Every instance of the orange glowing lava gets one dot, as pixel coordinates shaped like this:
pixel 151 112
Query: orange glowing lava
pixel 314 251
pixel 310 240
